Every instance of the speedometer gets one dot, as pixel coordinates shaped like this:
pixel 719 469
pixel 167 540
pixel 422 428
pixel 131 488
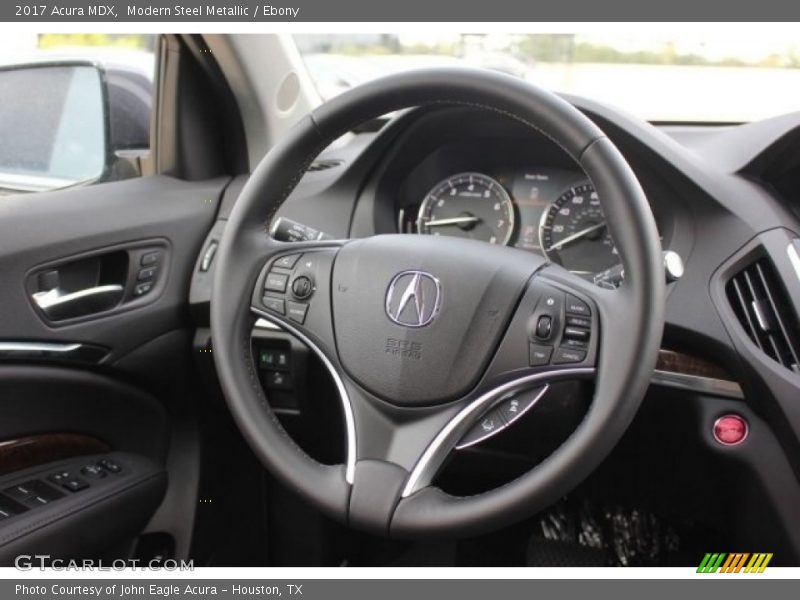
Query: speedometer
pixel 573 232
pixel 468 205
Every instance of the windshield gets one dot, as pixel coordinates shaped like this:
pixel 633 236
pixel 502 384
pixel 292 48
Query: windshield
pixel 736 76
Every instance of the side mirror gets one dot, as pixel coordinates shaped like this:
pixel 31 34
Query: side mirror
pixel 70 123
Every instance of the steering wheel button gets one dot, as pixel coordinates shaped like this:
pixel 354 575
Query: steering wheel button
pixel 302 287
pixel 287 262
pixel 539 355
pixel 296 311
pixel 579 322
pixel 517 406
pixel 576 333
pixel 568 355
pixel 570 343
pixel 575 306
pixel 489 425
pixel 276 282
pixel 544 327
pixel 274 304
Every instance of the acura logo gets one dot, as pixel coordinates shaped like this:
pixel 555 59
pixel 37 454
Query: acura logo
pixel 413 299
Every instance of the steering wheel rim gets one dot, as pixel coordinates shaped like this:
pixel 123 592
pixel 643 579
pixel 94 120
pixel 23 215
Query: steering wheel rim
pixel 375 493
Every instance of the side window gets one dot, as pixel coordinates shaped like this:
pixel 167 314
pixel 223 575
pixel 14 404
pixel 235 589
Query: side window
pixel 74 109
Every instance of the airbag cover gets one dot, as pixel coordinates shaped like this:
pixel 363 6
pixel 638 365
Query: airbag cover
pixel 410 347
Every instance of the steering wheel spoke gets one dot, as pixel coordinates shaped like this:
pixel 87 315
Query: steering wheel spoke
pixel 553 335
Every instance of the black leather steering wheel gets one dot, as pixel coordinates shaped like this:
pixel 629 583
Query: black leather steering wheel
pixel 425 335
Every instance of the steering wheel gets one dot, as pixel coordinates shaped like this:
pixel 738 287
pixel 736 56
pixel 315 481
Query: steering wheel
pixel 431 340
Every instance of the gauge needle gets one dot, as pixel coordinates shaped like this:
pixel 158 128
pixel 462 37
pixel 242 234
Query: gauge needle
pixel 576 236
pixel 452 221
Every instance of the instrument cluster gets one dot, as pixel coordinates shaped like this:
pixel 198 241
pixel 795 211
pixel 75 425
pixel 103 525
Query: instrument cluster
pixel 551 211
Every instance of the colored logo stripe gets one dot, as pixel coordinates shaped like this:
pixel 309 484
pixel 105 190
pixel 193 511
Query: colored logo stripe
pixel 734 563
pixel 711 563
pixel 758 563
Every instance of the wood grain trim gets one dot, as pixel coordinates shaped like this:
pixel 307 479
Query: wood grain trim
pixel 34 450
pixel 686 364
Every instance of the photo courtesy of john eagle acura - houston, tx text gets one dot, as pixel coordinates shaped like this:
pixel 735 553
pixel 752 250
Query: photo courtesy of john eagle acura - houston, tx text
pixel 423 298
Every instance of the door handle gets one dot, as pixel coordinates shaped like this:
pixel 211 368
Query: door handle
pixel 58 305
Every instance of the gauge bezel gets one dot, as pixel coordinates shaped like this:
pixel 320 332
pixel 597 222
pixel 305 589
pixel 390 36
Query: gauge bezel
pixel 507 199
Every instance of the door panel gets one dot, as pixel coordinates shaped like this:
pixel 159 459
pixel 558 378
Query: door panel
pixel 84 371
pixel 39 229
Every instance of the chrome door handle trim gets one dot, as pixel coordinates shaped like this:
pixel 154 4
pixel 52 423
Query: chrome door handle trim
pixel 24 348
pixel 55 297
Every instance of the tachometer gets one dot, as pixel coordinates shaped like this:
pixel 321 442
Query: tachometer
pixel 468 205
pixel 573 232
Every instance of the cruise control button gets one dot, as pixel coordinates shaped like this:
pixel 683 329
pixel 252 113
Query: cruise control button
pixel 486 427
pixel 576 306
pixel 274 304
pixel 568 355
pixel 514 408
pixel 568 343
pixel 287 262
pixel 296 311
pixel 539 355
pixel 576 333
pixel 276 282
pixel 579 322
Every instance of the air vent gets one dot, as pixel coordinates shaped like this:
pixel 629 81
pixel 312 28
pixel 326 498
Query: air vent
pixel 322 165
pixel 763 308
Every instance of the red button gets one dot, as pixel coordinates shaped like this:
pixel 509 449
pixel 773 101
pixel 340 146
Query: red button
pixel 730 430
